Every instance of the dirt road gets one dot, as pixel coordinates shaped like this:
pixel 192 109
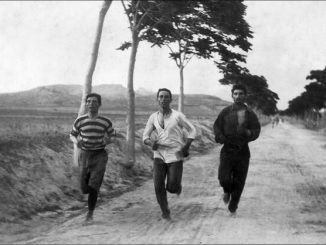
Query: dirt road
pixel 284 201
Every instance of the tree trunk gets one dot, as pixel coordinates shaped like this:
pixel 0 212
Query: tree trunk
pixel 89 77
pixel 131 103
pixel 181 95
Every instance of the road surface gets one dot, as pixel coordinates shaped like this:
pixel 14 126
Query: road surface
pixel 284 201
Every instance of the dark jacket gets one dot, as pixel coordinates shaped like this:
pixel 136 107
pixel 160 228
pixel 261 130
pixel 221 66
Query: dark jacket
pixel 234 130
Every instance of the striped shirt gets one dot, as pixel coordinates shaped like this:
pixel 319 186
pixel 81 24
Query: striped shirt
pixel 92 131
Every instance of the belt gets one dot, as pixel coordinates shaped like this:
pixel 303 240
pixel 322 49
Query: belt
pixel 97 150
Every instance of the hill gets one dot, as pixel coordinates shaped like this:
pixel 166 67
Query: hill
pixel 114 98
pixel 57 95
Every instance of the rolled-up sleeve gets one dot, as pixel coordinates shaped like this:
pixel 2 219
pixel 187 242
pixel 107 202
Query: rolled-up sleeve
pixel 184 122
pixel 148 128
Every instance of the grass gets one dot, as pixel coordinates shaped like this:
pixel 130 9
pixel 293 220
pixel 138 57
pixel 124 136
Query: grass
pixel 28 122
pixel 33 122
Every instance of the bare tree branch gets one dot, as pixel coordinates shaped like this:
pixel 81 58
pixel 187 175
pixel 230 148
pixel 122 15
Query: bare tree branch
pixel 125 9
pixel 188 59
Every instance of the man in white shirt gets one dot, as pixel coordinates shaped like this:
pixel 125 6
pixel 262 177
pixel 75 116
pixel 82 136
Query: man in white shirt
pixel 169 146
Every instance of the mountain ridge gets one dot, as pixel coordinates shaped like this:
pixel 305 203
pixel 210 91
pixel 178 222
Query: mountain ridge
pixel 114 97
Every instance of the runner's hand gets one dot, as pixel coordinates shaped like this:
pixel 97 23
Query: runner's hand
pixel 155 145
pixel 220 139
pixel 107 140
pixel 79 143
pixel 185 151
pixel 241 130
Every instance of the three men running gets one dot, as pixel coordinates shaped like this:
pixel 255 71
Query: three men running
pixel 169 133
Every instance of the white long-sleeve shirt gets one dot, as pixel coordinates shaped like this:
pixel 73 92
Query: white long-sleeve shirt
pixel 171 138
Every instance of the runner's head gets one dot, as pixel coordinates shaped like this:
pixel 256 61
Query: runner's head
pixel 164 89
pixel 164 98
pixel 239 87
pixel 93 102
pixel 99 99
pixel 239 93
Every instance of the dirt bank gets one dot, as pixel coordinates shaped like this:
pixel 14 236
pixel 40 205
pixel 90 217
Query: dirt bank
pixel 40 183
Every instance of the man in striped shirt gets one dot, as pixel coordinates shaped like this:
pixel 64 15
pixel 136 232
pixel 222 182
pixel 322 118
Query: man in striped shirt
pixel 91 133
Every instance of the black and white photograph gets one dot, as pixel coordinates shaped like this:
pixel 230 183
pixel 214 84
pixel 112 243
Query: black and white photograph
pixel 163 122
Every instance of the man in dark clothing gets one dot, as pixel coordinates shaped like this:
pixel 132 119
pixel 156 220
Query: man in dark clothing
pixel 235 126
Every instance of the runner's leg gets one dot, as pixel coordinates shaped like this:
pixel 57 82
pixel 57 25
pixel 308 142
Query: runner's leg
pixel 84 174
pixel 174 177
pixel 97 166
pixel 159 175
pixel 239 178
pixel 225 172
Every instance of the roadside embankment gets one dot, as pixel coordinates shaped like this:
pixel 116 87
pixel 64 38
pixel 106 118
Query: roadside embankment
pixel 38 178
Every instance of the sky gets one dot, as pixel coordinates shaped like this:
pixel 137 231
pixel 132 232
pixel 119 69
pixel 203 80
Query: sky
pixel 50 42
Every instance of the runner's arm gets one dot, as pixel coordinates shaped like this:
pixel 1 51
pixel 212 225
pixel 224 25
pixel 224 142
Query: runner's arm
pixel 254 127
pixel 184 122
pixel 75 140
pixel 74 136
pixel 191 133
pixel 218 129
pixel 149 128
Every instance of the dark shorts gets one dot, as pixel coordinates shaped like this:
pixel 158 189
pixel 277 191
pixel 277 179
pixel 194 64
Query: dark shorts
pixel 92 165
pixel 170 171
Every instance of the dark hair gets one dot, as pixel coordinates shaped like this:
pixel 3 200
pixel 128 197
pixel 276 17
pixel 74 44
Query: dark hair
pixel 95 95
pixel 239 87
pixel 164 89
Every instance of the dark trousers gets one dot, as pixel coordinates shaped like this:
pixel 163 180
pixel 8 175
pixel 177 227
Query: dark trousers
pixel 173 173
pixel 92 165
pixel 232 174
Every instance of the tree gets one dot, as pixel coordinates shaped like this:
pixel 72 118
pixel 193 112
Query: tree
pixel 96 45
pixel 297 106
pixel 316 93
pixel 313 98
pixel 319 76
pixel 203 29
pixel 317 88
pixel 259 95
pixel 89 77
pixel 300 105
pixel 143 16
